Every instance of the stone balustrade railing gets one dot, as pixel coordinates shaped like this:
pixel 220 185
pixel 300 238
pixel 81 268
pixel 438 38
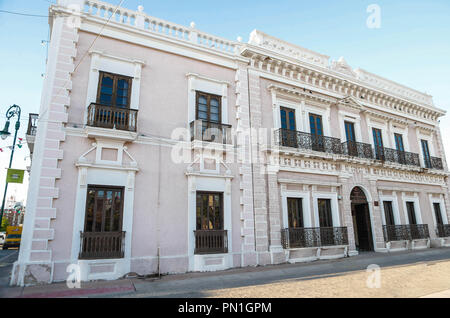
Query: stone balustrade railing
pixel 175 31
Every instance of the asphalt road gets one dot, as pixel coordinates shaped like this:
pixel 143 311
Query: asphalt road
pixel 7 258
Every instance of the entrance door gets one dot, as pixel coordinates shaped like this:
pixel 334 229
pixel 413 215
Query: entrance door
pixel 361 220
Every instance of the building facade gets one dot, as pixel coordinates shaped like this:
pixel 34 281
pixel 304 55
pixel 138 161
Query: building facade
pixel 163 149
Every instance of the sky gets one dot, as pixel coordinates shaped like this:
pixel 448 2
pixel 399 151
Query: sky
pixel 411 47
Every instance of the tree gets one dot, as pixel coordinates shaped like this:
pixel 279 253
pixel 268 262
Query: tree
pixel 5 223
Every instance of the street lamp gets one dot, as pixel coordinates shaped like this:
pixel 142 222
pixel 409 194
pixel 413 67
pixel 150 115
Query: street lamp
pixel 14 110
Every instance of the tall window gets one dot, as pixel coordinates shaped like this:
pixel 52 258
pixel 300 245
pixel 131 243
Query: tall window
pixel 351 138
pixel 287 118
pixel 114 90
pixel 378 142
pixel 400 148
pixel 209 108
pixel 288 133
pixel 209 211
pixel 325 216
pixel 295 212
pixel 104 209
pixel 437 212
pixel 389 213
pixel 399 142
pixel 316 127
pixel 411 212
pixel 426 153
pixel 350 131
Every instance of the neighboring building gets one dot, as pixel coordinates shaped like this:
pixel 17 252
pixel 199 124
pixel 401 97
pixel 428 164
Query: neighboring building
pixel 160 148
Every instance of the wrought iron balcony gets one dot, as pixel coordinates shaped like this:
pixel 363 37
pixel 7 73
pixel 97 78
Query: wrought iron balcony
pixel 405 232
pixel 357 149
pixel 434 163
pixel 104 116
pixel 314 237
pixel 32 124
pixel 302 140
pixel 211 242
pixel 102 245
pixel 397 156
pixel 443 230
pixel 211 132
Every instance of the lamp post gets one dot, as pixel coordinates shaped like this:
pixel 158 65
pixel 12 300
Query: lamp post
pixel 14 110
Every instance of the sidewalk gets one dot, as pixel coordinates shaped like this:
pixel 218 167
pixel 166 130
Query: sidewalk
pixel 208 284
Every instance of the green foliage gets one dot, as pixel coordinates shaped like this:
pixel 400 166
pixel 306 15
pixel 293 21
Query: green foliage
pixel 5 223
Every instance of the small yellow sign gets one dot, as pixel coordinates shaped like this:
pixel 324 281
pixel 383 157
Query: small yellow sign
pixel 15 176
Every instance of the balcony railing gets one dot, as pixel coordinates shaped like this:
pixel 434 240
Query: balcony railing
pixel 104 245
pixel 357 149
pixel 112 117
pixel 302 140
pixel 211 132
pixel 211 241
pixel 434 163
pixel 32 124
pixel 397 156
pixel 314 237
pixel 405 232
pixel 443 230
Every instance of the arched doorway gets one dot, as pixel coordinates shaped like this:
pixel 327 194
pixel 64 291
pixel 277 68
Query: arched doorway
pixel 361 220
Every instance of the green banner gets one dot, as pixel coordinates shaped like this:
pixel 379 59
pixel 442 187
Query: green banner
pixel 15 176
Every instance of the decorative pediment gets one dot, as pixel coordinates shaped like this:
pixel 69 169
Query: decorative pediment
pixel 342 66
pixel 351 102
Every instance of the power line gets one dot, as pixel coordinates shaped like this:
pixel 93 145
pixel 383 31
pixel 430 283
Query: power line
pixel 25 14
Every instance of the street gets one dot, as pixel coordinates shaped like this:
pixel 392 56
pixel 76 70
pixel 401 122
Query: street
pixel 7 258
pixel 405 274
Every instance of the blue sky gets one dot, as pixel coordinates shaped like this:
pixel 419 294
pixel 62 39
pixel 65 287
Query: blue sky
pixel 412 46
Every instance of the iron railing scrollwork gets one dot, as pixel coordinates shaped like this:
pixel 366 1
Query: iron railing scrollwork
pixel 102 245
pixel 211 242
pixel 314 237
pixel 302 140
pixel 434 163
pixel 105 116
pixel 443 230
pixel 405 232
pixel 357 149
pixel 397 156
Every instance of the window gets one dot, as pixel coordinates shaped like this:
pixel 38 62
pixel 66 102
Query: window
pixel 287 118
pixel 104 209
pixel 389 213
pixel 399 142
pixel 114 90
pixel 325 216
pixel 352 147
pixel 209 211
pixel 437 212
pixel 295 212
pixel 411 212
pixel 378 143
pixel 316 127
pixel 426 154
pixel 350 131
pixel 208 108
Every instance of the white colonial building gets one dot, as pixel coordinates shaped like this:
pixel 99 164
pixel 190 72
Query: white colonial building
pixel 161 148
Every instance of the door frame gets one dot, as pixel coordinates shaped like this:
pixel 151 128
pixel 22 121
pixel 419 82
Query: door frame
pixel 371 214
